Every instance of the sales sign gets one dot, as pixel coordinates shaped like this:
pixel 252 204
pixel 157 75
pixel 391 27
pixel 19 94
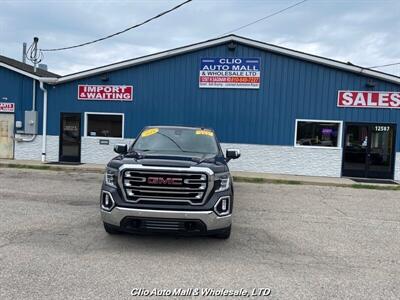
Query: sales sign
pixel 105 92
pixel 368 99
pixel 238 73
pixel 7 107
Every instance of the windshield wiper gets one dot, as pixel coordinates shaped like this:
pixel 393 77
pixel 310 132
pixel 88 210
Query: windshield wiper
pixel 172 140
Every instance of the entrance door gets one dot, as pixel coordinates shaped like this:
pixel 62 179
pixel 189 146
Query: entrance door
pixel 70 137
pixel 369 150
pixel 6 136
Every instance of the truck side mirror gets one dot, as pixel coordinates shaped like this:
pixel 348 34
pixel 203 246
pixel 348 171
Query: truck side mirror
pixel 121 148
pixel 232 154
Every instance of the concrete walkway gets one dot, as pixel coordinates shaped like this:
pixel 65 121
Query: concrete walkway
pixel 284 177
pixel 239 176
pixel 34 164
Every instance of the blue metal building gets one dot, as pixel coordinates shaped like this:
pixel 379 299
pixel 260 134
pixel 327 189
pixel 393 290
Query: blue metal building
pixel 289 112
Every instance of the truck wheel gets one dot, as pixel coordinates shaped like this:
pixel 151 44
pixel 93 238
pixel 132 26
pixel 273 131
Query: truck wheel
pixel 224 234
pixel 110 229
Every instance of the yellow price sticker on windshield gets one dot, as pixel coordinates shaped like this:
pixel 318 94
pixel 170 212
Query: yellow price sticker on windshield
pixel 149 132
pixel 205 132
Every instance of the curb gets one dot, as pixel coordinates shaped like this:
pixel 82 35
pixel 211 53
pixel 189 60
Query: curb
pixel 256 180
pixel 51 168
pixel 261 180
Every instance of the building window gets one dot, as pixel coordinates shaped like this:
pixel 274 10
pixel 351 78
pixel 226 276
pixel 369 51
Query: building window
pixel 104 125
pixel 318 133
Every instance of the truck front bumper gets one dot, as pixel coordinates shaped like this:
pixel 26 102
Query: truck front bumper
pixel 209 218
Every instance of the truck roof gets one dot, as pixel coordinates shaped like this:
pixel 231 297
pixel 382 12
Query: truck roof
pixel 178 127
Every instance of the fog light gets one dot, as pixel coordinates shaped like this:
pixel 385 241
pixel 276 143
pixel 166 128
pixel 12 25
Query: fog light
pixel 107 201
pixel 223 206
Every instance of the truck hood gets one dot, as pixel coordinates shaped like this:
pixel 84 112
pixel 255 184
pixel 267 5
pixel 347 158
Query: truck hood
pixel 172 159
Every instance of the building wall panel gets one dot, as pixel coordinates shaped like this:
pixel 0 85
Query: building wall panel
pixel 94 153
pixel 16 88
pixel 167 92
pixel 259 122
pixel 33 150
pixel 287 160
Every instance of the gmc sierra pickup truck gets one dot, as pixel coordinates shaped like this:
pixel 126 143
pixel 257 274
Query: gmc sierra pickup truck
pixel 171 179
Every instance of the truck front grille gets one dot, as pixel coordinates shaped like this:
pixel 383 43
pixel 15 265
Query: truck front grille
pixel 165 186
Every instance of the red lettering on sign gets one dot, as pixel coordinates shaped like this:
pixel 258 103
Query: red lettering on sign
pixel 7 107
pixel 105 92
pixel 368 99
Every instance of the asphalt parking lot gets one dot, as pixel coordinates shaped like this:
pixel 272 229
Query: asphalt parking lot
pixel 302 242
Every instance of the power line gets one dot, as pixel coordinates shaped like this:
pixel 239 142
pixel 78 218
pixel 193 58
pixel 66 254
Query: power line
pixel 266 17
pixel 381 66
pixel 119 32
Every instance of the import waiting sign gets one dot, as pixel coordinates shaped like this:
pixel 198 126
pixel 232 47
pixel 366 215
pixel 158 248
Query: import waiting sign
pixel 105 92
pixel 238 73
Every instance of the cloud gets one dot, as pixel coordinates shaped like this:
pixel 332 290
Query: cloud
pixel 363 32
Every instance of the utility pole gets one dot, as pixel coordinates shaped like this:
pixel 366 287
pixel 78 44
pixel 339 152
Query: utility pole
pixel 24 52
pixel 34 53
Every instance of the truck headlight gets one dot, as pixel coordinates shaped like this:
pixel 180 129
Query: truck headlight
pixel 110 178
pixel 222 182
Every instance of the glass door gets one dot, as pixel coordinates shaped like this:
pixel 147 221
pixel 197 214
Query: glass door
pixel 369 150
pixel 355 151
pixel 70 137
pixel 381 151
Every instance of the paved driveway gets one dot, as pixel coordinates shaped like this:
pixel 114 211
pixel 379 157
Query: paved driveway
pixel 302 242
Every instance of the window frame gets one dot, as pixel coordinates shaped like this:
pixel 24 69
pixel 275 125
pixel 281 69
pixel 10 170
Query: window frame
pixel 85 127
pixel 339 139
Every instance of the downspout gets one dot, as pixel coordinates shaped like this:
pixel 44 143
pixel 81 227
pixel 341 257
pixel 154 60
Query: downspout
pixel 44 131
pixel 34 95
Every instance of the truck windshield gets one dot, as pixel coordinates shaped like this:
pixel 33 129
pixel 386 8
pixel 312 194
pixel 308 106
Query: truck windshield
pixel 177 139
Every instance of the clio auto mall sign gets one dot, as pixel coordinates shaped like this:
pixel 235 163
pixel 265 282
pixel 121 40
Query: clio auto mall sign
pixel 105 92
pixel 234 73
pixel 368 99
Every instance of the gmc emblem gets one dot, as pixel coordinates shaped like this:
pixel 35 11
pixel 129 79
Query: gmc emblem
pixel 164 181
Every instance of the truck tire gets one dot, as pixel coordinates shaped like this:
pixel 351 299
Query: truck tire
pixel 110 229
pixel 223 234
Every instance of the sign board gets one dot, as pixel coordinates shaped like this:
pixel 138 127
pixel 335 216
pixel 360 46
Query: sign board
pixel 7 107
pixel 104 142
pixel 105 92
pixel 368 99
pixel 238 73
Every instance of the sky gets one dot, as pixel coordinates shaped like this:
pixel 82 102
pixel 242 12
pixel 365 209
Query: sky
pixel 363 32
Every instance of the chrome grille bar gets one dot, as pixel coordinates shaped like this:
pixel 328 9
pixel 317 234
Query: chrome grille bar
pixel 165 184
pixel 201 187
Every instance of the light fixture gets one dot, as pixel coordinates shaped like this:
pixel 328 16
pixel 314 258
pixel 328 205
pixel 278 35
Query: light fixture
pixel 104 77
pixel 232 46
pixel 370 83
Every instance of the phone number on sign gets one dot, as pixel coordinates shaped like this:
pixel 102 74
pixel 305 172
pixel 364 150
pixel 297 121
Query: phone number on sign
pixel 230 79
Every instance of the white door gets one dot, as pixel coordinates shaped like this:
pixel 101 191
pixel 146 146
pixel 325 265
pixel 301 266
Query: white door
pixel 6 136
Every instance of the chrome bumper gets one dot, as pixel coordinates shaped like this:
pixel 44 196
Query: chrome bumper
pixel 209 218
